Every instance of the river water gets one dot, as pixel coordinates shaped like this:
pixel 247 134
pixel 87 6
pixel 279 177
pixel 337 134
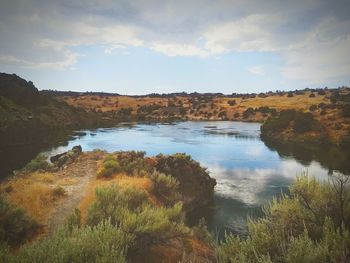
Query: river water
pixel 248 173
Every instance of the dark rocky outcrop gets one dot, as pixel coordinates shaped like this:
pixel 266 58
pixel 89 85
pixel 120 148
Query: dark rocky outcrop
pixel 66 158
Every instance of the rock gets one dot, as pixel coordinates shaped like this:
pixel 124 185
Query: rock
pixel 65 158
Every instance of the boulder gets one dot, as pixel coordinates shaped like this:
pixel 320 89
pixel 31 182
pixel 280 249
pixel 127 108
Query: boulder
pixel 65 158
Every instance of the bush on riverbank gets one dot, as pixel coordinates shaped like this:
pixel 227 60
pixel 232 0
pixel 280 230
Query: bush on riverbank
pixel 194 181
pixel 130 210
pixel 296 121
pixel 39 163
pixel 101 243
pixel 129 162
pixel 165 188
pixel 310 225
pixel 15 225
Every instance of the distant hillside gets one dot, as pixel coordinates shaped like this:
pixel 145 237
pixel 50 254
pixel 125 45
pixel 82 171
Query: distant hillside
pixel 28 116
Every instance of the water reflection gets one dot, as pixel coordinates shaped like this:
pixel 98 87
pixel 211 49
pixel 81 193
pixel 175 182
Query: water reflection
pixel 248 173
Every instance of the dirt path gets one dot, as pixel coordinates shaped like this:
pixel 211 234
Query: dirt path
pixel 83 170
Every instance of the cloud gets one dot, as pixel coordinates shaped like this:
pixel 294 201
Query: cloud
pixel 257 70
pixel 173 50
pixel 323 55
pixel 69 59
pixel 311 37
pixel 247 34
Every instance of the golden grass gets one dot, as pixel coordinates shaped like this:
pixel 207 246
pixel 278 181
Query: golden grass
pixel 35 197
pixel 108 103
pixel 34 193
pixel 66 181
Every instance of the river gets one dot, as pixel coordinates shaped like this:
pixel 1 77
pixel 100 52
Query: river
pixel 248 173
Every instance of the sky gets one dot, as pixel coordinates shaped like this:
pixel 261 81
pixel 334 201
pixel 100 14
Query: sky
pixel 158 46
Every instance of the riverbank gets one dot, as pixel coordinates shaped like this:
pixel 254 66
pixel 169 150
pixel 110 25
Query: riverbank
pixel 50 194
pixel 125 214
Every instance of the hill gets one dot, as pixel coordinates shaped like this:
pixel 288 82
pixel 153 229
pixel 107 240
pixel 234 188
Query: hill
pixel 28 116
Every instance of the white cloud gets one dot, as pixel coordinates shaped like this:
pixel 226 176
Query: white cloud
pixel 69 59
pixel 322 55
pixel 257 70
pixel 311 37
pixel 174 49
pixel 247 34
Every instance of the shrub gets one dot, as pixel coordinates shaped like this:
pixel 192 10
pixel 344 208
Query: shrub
pixel 303 122
pixel 201 232
pixel 290 94
pixel 15 225
pixel 248 112
pixel 313 107
pixel 131 211
pixel 165 187
pixel 58 191
pixel 279 123
pixel 129 162
pixel 231 102
pixel 101 243
pixel 194 180
pixel 346 110
pixel 222 115
pixel 321 92
pixel 310 225
pixel 312 95
pixel 322 105
pixel 39 163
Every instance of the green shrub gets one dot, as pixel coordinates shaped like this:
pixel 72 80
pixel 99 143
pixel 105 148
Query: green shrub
pixel 15 225
pixel 112 201
pixel 201 232
pixel 310 225
pixel 165 187
pixel 39 163
pixel 101 243
pixel 303 122
pixel 131 211
pixel 299 121
pixel 129 162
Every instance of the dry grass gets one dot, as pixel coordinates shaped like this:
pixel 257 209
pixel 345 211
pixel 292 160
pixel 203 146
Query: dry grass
pixel 34 193
pixel 112 103
pixel 35 197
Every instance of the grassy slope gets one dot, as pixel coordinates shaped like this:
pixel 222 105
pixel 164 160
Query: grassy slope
pixel 335 125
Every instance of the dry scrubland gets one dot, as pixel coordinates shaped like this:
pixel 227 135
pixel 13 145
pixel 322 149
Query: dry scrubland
pixel 50 197
pixel 215 104
pixel 241 108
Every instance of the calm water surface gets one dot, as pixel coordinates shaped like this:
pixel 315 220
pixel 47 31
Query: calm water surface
pixel 248 173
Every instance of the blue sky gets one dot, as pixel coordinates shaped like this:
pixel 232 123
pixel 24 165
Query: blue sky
pixel 141 47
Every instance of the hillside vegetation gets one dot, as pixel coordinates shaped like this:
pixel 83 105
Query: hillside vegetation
pixel 27 116
pixel 328 106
